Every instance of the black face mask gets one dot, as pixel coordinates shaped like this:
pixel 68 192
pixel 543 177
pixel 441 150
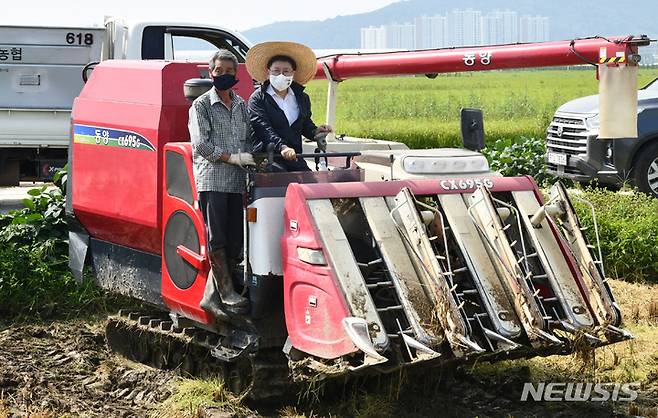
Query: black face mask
pixel 224 81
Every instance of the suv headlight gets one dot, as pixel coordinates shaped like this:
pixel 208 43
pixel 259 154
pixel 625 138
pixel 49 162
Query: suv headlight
pixel 609 153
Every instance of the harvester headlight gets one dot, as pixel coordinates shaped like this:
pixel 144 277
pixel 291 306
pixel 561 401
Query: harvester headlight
pixel 311 256
pixel 445 165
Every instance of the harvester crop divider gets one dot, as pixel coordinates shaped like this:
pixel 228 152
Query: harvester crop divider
pixel 348 273
pixel 478 266
pixel 357 330
pixel 599 295
pixel 426 353
pixel 517 275
pixel 509 344
pixel 402 274
pixel 570 308
pixel 451 313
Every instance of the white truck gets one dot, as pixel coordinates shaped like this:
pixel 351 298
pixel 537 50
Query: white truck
pixel 41 73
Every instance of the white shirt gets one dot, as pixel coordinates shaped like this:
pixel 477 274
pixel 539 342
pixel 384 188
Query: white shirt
pixel 288 104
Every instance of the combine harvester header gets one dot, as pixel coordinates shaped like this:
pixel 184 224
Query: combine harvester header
pixel 487 270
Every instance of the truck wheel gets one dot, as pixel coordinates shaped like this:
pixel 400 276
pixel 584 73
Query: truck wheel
pixel 646 170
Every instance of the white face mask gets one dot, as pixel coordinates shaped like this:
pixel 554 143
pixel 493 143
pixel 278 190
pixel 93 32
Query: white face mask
pixel 280 82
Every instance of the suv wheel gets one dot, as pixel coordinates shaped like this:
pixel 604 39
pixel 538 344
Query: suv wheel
pixel 646 170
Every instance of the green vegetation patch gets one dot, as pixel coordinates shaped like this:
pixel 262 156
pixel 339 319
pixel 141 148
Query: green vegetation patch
pixel 34 273
pixel 628 230
pixel 519 158
pixel 200 397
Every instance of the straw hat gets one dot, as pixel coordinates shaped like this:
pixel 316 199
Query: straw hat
pixel 260 54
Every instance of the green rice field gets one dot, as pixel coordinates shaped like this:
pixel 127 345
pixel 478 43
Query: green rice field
pixel 424 113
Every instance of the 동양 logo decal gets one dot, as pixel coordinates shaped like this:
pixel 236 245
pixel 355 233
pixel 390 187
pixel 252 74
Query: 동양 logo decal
pixel 96 135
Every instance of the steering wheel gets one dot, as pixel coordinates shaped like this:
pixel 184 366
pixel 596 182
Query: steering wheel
pixel 274 167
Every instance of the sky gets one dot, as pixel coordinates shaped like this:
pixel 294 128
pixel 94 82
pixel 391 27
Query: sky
pixel 231 14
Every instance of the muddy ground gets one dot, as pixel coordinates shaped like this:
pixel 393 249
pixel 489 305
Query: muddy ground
pixel 63 368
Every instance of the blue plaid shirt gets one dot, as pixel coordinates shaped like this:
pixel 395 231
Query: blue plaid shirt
pixel 216 130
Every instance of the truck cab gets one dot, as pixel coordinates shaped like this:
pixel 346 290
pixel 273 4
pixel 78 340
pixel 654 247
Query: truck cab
pixel 575 152
pixel 41 73
pixel 169 41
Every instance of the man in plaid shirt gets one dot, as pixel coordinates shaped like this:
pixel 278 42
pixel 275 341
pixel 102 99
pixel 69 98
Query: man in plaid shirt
pixel 221 136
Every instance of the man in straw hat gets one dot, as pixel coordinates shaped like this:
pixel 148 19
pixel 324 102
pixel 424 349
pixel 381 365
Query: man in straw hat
pixel 220 133
pixel 280 109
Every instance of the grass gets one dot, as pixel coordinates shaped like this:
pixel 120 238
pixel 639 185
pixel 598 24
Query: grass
pixel 635 360
pixel 628 228
pixel 193 397
pixel 424 113
pixel 34 274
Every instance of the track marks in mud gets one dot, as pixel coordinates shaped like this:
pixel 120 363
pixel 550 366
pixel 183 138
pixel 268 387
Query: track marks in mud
pixel 65 368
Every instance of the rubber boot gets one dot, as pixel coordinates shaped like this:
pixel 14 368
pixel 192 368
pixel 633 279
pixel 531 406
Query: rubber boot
pixel 211 300
pixel 230 300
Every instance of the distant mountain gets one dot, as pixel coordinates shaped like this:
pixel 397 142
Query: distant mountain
pixel 569 19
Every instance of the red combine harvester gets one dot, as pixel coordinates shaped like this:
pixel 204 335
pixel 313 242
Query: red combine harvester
pixel 447 261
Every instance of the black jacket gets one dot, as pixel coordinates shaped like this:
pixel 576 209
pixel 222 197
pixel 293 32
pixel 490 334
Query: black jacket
pixel 270 124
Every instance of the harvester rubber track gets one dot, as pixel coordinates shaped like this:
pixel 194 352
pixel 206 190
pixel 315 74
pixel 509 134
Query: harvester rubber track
pixel 153 339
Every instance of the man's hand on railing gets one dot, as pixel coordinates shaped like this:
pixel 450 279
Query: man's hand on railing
pixel 288 153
